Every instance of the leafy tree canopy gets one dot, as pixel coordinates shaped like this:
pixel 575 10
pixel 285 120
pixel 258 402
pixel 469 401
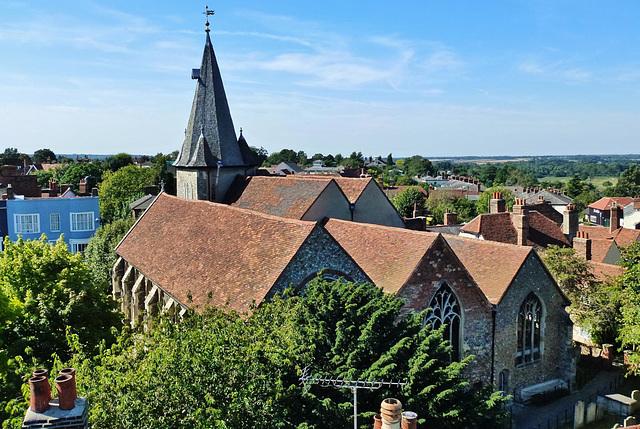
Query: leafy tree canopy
pixel 100 255
pixel 120 188
pixel 628 184
pixel 44 155
pixel 10 153
pixel 405 200
pixel 630 281
pixel 117 161
pixel 219 370
pixel 418 166
pixel 482 205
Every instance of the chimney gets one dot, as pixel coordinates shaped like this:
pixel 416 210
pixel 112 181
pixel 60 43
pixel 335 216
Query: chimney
pixel 53 188
pixel 391 413
pixel 450 218
pixel 497 204
pixel 521 223
pixel 616 214
pixel 520 207
pixel 636 202
pixel 83 188
pixel 10 195
pixel 94 192
pixel 409 420
pixel 570 222
pixel 67 411
pixel 582 245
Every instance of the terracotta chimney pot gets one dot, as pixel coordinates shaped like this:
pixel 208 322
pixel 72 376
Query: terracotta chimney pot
pixel 409 420
pixel 40 394
pixel 65 384
pixel 377 422
pixel 391 412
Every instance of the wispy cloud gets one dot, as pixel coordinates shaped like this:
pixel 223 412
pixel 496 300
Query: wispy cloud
pixel 558 70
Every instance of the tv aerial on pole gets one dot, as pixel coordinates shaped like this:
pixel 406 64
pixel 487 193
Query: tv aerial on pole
pixel 340 383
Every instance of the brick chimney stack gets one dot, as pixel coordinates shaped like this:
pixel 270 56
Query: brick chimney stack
pixel 636 202
pixel 53 188
pixel 582 245
pixel 616 214
pixel 521 223
pixel 497 204
pixel 570 222
pixel 520 207
pixel 83 187
pixel 450 218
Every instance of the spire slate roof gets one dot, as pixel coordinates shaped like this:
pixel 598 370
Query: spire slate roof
pixel 210 136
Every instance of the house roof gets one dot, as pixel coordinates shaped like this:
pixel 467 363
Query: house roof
pixel 499 227
pixel 353 187
pixel 288 196
pixel 211 252
pixel 392 191
pixel 142 203
pixel 388 255
pixel 210 135
pixel 555 198
pixel 547 209
pixel 600 248
pixel 604 271
pixel 605 202
pixel 492 265
pixel 622 236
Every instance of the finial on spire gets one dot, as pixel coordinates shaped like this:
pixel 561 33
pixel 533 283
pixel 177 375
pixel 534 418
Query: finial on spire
pixel 208 12
pixel 240 131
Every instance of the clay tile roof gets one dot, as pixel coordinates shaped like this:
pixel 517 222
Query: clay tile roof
pixel 626 237
pixel 600 247
pixel 492 265
pixel 388 255
pixel 596 232
pixel 605 202
pixel 622 236
pixel 604 271
pixel 288 197
pixel 352 187
pixel 198 248
pixel 499 227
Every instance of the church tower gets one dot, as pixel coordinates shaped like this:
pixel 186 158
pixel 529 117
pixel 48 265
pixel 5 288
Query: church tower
pixel 211 155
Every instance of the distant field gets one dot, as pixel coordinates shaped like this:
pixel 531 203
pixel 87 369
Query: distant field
pixel 596 181
pixel 481 161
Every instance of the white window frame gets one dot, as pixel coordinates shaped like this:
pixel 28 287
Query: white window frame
pixel 52 223
pixel 74 243
pixel 74 222
pixel 18 223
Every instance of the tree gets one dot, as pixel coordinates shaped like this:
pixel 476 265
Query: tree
pixel 389 160
pixel 44 155
pixel 628 184
pixel 117 161
pixel 404 202
pixel 630 324
pixel 355 160
pixel 120 188
pixel 576 186
pixel 217 369
pixel 10 153
pixel 260 153
pixel 47 292
pixel 595 305
pixel 100 255
pixel 482 205
pixel 418 166
pixel 438 203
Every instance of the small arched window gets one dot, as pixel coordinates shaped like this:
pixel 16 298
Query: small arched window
pixel 445 310
pixel 529 330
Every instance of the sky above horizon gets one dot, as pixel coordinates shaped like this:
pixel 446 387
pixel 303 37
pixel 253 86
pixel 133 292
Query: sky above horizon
pixel 416 77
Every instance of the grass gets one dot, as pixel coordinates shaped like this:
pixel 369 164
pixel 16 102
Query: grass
pixel 595 181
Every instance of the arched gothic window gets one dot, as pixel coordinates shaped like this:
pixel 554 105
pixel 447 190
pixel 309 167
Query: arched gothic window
pixel 529 327
pixel 445 310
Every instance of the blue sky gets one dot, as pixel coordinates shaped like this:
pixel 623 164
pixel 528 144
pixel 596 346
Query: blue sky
pixel 412 77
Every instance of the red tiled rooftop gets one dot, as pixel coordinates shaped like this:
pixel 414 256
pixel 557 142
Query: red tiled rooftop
pixel 622 236
pixel 492 265
pixel 388 255
pixel 352 187
pixel 605 202
pixel 197 248
pixel 604 271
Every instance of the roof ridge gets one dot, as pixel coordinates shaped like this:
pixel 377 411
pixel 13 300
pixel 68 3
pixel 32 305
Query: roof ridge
pixel 386 228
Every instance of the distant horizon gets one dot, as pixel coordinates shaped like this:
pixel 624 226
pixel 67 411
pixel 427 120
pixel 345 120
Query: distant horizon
pixel 442 79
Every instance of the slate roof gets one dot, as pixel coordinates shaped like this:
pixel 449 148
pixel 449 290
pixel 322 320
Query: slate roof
pixel 554 198
pixel 210 135
pixel 499 227
pixel 142 203
pixel 289 196
pixel 198 248
pixel 492 265
pixel 605 202
pixel 387 255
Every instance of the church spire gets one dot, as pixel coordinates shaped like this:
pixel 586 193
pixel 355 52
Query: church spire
pixel 210 139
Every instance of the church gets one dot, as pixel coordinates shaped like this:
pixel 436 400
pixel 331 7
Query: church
pixel 233 240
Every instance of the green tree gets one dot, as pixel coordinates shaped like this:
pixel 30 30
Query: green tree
pixel 404 202
pixel 418 166
pixel 355 160
pixel 44 155
pixel 45 293
pixel 260 153
pixel 482 205
pixel 117 161
pixel 10 153
pixel 595 305
pixel 121 187
pixel 628 184
pixel 100 255
pixel 630 325
pixel 389 160
pixel 244 372
pixel 576 186
pixel 438 203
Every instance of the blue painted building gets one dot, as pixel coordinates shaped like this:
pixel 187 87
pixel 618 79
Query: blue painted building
pixel 77 217
pixel 4 229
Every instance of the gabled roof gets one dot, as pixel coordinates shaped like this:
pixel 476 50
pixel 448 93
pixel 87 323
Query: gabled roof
pixel 499 227
pixel 600 248
pixel 555 198
pixel 142 203
pixel 211 118
pixel 353 187
pixel 492 265
pixel 202 252
pixel 606 202
pixel 387 254
pixel 603 272
pixel 289 196
pixel 547 209
pixel 622 236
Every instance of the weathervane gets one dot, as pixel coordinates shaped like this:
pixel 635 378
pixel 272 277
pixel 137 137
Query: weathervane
pixel 208 12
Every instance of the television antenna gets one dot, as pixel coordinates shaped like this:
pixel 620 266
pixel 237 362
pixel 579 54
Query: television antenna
pixel 340 383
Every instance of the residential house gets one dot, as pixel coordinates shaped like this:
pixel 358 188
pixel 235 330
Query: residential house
pixel 285 168
pixel 599 212
pixel 559 200
pixel 631 214
pixel 74 216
